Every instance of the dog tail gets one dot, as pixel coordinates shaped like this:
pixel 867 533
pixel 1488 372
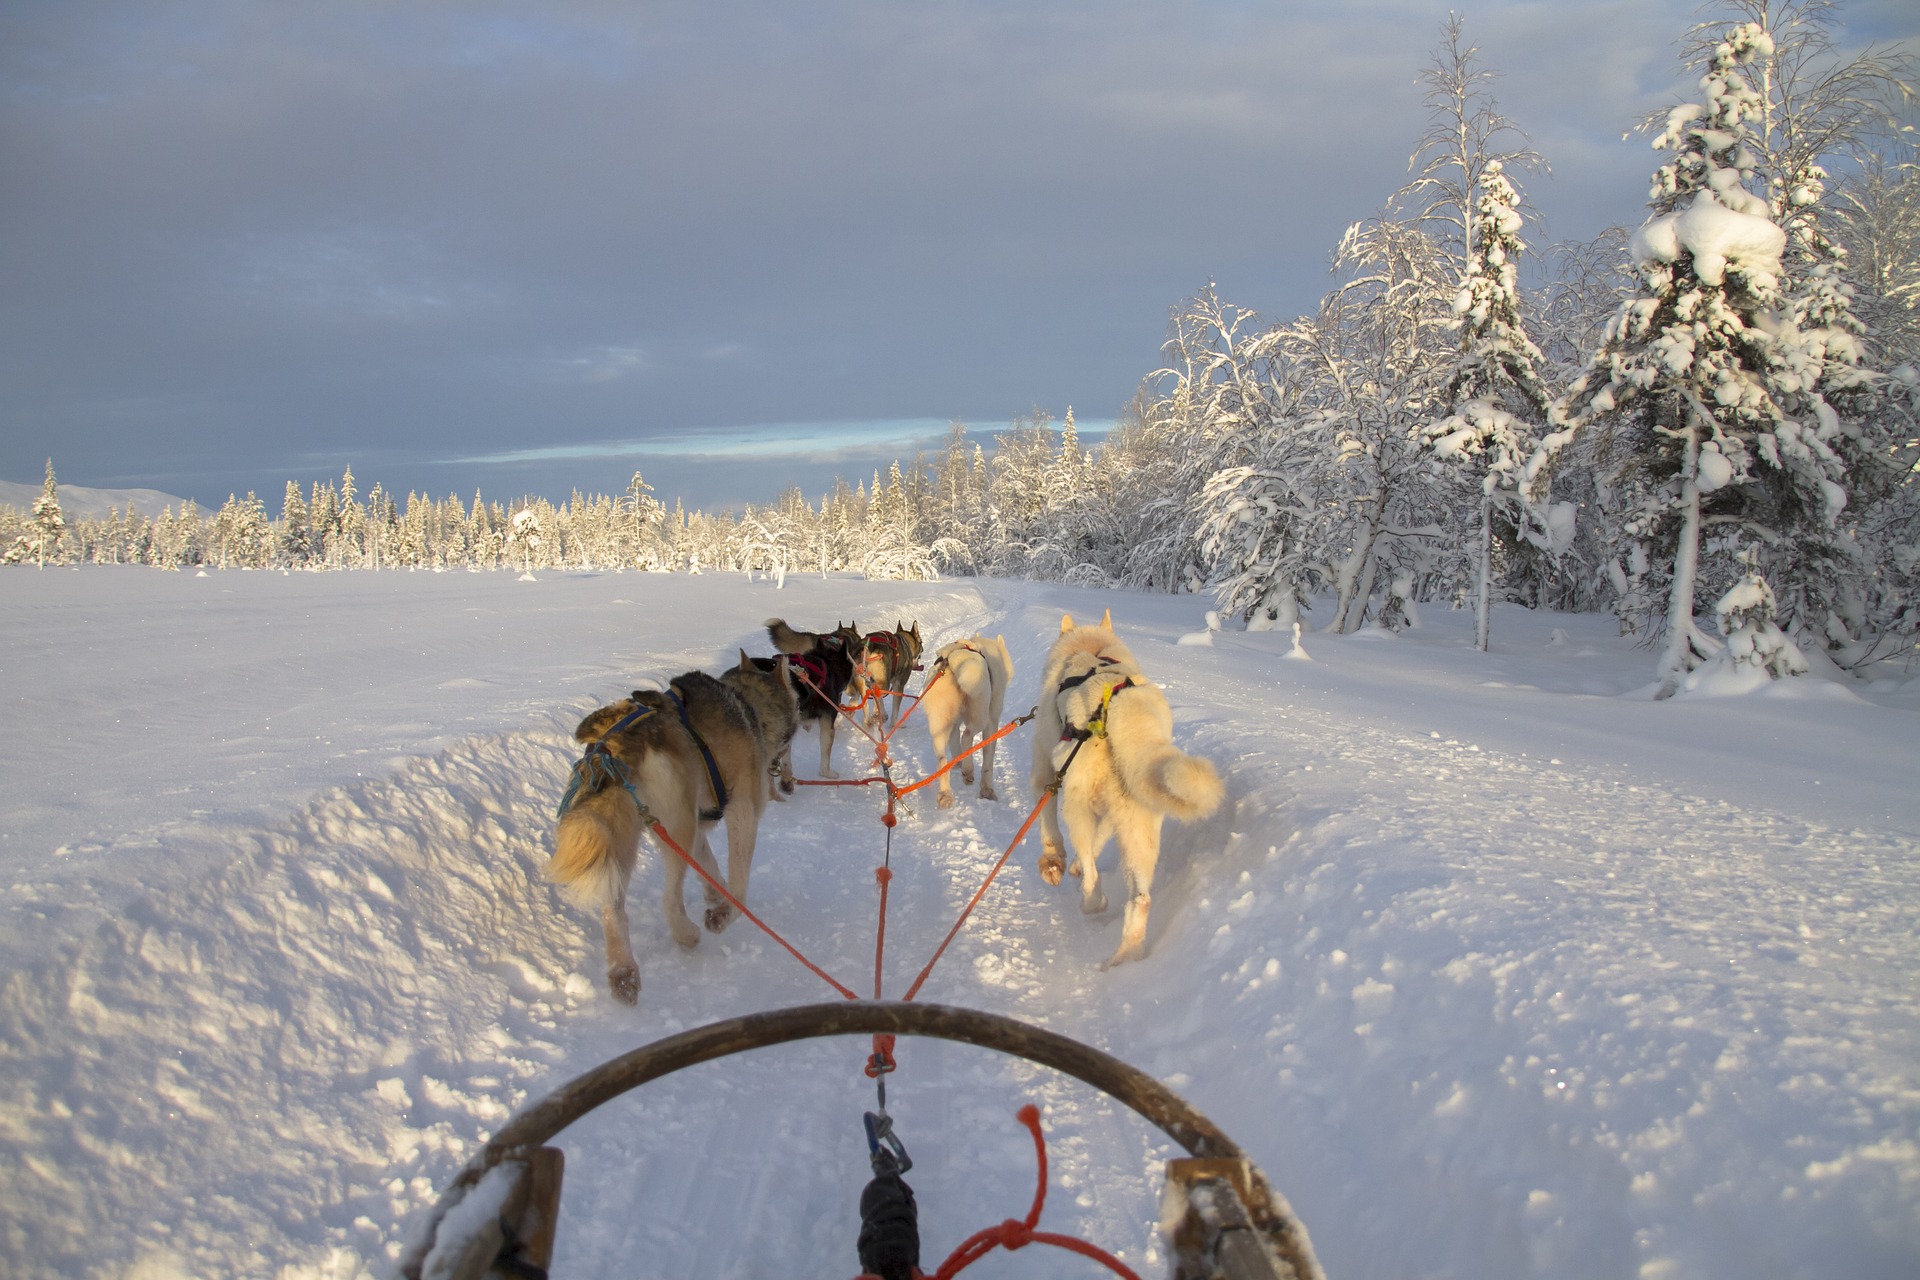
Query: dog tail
pixel 1169 780
pixel 785 639
pixel 595 847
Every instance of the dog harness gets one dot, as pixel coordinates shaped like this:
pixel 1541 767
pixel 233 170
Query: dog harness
pixel 815 668
pixel 706 754
pixel 598 766
pixel 1097 723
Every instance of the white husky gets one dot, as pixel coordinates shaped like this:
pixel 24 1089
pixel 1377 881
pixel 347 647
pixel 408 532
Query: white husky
pixel 1104 735
pixel 963 701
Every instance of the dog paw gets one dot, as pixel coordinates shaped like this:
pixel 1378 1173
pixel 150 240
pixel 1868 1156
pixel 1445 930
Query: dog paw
pixel 685 934
pixel 1094 903
pixel 987 792
pixel 787 786
pixel 966 774
pixel 719 917
pixel 1052 866
pixel 1123 956
pixel 623 981
pixel 946 799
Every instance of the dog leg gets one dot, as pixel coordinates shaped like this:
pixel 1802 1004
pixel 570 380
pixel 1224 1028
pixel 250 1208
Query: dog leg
pixel 943 751
pixel 826 748
pixel 1053 858
pixel 1139 857
pixel 674 900
pixel 741 830
pixel 986 766
pixel 783 769
pixel 1088 835
pixel 623 971
pixel 717 906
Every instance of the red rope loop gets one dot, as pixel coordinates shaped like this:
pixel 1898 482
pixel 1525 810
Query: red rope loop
pixel 1019 1233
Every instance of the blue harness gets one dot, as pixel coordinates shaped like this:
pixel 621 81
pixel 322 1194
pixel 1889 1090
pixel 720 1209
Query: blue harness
pixel 598 767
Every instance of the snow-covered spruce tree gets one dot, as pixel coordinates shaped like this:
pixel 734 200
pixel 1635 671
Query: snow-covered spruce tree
pixel 1820 107
pixel 1498 400
pixel 1493 396
pixel 1696 380
pixel 295 542
pixel 46 528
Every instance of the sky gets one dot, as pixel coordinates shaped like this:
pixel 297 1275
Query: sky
pixel 531 248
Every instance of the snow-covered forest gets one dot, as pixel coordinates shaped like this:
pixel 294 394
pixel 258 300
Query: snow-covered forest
pixel 1705 425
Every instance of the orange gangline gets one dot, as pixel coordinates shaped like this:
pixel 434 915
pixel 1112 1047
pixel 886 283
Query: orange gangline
pixel 1010 726
pixel 661 833
pixel 914 699
pixel 845 712
pixel 941 950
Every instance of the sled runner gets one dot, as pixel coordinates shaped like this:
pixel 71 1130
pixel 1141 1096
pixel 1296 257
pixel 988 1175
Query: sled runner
pixel 497 1218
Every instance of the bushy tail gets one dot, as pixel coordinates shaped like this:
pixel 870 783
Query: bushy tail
pixel 595 847
pixel 786 640
pixel 1172 782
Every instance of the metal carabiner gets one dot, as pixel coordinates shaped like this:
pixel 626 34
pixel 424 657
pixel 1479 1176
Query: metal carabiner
pixel 886 1152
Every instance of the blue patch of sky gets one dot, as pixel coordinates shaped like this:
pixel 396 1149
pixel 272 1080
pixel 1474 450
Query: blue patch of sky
pixel 813 441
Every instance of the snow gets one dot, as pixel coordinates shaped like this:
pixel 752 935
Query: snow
pixel 1719 239
pixel 1494 968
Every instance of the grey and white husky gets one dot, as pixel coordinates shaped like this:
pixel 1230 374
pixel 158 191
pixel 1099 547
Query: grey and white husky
pixel 1104 733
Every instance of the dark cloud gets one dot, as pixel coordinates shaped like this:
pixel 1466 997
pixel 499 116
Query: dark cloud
pixel 250 241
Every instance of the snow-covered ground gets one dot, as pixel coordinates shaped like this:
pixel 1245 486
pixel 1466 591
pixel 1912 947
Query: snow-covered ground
pixel 1496 968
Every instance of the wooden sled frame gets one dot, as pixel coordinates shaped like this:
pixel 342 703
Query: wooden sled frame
pixel 1228 1221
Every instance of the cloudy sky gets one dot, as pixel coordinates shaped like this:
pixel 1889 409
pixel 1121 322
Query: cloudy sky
pixel 527 247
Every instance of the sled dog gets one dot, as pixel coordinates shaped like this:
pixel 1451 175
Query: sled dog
pixel 823 666
pixel 963 700
pixel 692 755
pixel 769 690
pixel 887 660
pixel 1104 735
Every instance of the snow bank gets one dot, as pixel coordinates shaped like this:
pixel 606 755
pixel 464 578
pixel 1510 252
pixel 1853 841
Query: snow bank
pixel 1492 970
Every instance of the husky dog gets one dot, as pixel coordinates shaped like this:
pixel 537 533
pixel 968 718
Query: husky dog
pixel 823 665
pixel 691 755
pixel 768 689
pixel 1104 736
pixel 886 664
pixel 965 705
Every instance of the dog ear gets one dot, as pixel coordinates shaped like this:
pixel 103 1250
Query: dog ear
pixel 1066 623
pixel 1106 620
pixel 784 670
pixel 746 663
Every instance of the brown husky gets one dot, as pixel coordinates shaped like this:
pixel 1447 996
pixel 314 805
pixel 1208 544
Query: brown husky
pixel 684 758
pixel 823 664
pixel 1104 735
pixel 886 664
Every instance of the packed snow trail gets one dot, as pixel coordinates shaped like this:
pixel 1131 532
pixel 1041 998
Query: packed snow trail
pixel 1494 971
